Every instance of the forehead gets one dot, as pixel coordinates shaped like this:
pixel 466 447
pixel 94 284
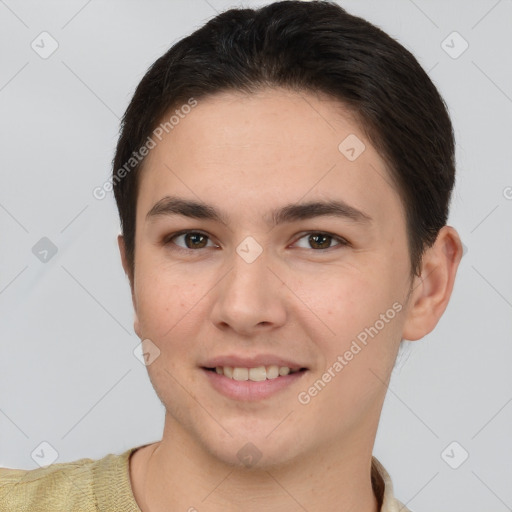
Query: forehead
pixel 266 149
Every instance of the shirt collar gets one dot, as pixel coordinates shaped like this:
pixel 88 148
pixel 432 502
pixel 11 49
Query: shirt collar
pixel 383 489
pixel 122 493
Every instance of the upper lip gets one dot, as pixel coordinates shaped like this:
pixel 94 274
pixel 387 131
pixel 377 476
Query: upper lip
pixel 234 361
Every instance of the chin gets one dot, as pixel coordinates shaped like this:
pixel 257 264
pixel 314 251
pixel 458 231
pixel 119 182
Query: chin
pixel 254 449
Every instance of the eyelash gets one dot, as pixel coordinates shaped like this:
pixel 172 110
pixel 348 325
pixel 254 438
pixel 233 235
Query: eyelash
pixel 168 240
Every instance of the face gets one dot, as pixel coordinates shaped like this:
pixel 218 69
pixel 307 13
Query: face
pixel 321 290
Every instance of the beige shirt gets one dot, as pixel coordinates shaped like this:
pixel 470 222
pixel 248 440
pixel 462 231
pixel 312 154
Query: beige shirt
pixel 104 485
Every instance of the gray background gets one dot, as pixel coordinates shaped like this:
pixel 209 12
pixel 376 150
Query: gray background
pixel 68 374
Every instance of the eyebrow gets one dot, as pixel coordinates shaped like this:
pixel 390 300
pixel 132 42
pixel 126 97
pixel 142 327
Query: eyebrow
pixel 171 205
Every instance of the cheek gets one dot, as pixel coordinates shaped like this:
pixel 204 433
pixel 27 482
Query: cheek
pixel 365 308
pixel 366 320
pixel 166 302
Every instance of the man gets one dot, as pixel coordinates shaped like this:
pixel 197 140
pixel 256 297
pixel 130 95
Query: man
pixel 283 178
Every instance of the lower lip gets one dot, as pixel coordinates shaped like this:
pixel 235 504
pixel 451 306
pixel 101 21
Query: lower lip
pixel 249 390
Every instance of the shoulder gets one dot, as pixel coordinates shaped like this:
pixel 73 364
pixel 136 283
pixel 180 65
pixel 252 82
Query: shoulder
pixel 48 488
pixel 61 486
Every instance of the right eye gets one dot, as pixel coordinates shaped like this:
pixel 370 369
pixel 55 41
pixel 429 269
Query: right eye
pixel 192 240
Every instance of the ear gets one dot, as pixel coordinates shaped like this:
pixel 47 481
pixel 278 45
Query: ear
pixel 128 272
pixel 432 290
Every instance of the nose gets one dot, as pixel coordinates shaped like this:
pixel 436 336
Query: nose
pixel 251 297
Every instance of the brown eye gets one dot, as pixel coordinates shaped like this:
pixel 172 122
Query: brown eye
pixel 192 240
pixel 321 241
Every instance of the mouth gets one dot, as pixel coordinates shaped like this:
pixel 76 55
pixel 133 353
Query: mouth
pixel 252 384
pixel 256 374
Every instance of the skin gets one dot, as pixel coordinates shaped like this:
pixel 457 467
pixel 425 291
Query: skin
pixel 245 155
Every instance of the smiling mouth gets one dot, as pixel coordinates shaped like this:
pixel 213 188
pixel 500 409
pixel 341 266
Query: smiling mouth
pixel 258 374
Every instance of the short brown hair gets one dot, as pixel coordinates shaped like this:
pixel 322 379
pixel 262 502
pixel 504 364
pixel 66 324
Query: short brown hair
pixel 307 46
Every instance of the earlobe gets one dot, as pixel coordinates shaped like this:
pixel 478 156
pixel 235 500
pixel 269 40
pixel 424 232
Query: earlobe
pixel 431 292
pixel 122 251
pixel 124 260
pixel 136 325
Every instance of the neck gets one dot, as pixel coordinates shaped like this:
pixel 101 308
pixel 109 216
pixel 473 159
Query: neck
pixel 177 474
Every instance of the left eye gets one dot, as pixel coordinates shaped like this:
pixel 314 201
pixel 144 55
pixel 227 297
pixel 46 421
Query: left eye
pixel 198 240
pixel 322 240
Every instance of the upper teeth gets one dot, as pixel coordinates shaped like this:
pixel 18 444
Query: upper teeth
pixel 255 374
